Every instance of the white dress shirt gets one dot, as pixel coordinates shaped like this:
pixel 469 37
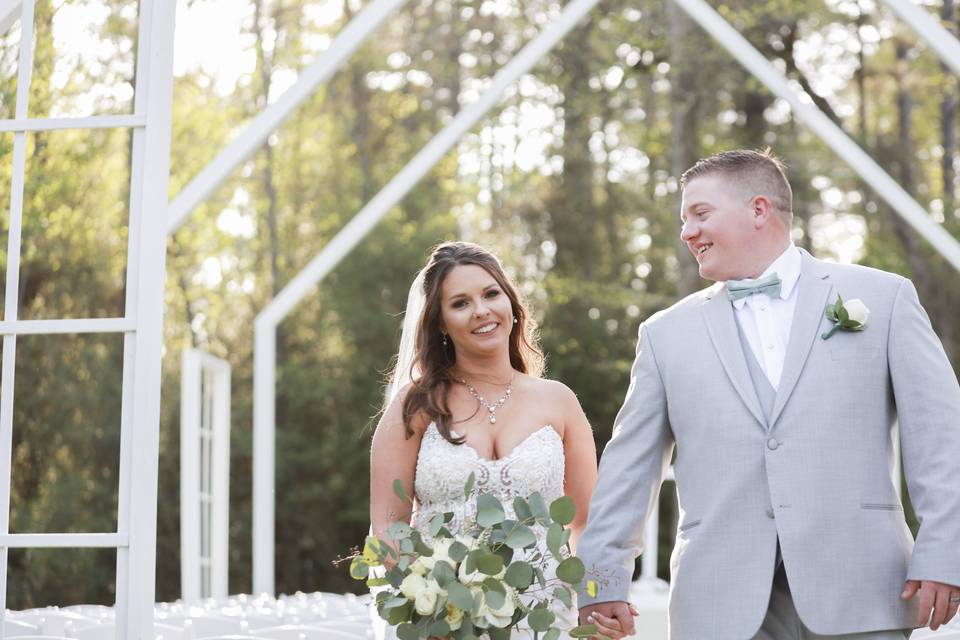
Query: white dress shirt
pixel 766 321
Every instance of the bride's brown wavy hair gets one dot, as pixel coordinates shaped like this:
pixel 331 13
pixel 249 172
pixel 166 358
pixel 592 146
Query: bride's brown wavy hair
pixel 429 393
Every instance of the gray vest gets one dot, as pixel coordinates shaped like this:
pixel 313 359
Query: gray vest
pixel 765 391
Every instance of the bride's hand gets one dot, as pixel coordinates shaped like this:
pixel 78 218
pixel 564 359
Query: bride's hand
pixel 608 627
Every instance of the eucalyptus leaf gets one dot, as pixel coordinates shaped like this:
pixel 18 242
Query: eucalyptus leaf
pixel 563 510
pixel 399 530
pixel 537 506
pixel 571 570
pixel 540 619
pixel 496 633
pixel 555 539
pixel 489 510
pixel 459 596
pixel 443 573
pixel 561 594
pixel 492 584
pixel 396 615
pixel 521 537
pixel 495 599
pixel 552 634
pixel 468 487
pixel 377 582
pixel 359 569
pixel 583 631
pixel 490 564
pixel 542 579
pixel 519 575
pixel 438 628
pixel 407 631
pixel 522 508
pixel 400 490
pixel 436 523
pixel 458 551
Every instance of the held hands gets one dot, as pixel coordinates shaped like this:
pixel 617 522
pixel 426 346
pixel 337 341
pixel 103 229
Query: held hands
pixel 612 619
pixel 938 601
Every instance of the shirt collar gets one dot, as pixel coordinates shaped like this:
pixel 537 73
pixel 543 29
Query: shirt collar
pixel 787 266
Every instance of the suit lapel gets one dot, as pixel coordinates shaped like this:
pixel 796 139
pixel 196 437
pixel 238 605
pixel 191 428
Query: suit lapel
pixel 722 327
pixel 813 296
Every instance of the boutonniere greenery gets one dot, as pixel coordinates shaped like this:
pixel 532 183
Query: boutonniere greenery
pixel 847 316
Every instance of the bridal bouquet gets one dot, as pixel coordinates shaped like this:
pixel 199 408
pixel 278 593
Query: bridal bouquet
pixel 468 586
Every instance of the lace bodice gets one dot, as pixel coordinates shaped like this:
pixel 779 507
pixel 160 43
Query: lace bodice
pixel 536 464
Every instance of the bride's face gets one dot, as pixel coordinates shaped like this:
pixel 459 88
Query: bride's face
pixel 475 310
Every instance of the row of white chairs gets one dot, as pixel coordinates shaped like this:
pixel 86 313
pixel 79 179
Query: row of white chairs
pixel 296 617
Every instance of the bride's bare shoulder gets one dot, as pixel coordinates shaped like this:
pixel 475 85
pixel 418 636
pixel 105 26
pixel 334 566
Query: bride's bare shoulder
pixel 392 419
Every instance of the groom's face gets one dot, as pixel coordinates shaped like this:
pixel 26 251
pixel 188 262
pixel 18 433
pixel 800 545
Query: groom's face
pixel 718 227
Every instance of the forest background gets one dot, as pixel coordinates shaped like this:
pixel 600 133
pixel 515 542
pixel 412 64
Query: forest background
pixel 572 180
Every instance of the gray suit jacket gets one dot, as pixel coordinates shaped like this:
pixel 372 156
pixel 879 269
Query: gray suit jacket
pixel 816 476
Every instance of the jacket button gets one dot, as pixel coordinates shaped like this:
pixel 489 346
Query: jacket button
pixel 772 444
pixel 770 514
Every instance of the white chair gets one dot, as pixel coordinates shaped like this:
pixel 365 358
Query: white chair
pixel 206 626
pixel 108 631
pixel 299 632
pixel 16 629
pixel 235 637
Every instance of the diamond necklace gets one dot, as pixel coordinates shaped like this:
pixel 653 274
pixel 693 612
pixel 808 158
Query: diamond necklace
pixel 491 407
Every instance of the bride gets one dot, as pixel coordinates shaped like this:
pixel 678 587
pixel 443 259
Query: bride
pixel 467 397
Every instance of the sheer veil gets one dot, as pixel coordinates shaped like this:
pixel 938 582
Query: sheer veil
pixel 405 370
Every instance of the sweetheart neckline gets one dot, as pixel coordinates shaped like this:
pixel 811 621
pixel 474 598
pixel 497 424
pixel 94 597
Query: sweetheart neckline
pixel 495 461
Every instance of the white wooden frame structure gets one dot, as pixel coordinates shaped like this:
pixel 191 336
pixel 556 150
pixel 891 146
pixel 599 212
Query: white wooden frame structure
pixel 141 325
pixel 941 41
pixel 204 475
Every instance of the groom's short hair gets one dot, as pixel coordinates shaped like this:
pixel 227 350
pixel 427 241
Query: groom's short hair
pixel 757 172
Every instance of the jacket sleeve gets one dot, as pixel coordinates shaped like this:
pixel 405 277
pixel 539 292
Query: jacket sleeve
pixel 631 470
pixel 928 410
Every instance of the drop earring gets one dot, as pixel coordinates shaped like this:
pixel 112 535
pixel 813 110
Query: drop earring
pixel 444 340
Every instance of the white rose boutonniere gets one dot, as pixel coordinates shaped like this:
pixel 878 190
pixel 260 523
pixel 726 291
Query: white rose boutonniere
pixel 851 315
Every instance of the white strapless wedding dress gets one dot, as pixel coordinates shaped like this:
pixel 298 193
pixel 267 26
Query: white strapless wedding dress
pixel 536 464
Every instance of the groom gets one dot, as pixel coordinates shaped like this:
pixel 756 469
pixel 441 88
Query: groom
pixel 790 525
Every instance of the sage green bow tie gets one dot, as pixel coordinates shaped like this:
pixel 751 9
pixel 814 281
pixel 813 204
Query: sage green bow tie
pixel 769 285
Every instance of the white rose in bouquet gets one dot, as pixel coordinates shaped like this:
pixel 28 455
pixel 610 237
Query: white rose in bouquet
pixel 426 601
pixel 423 565
pixel 500 616
pixel 454 617
pixel 412 585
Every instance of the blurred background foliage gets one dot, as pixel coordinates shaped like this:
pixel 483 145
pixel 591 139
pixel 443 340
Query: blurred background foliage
pixel 572 180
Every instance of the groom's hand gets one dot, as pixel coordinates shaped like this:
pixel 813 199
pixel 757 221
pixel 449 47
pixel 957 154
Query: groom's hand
pixel 938 601
pixel 613 619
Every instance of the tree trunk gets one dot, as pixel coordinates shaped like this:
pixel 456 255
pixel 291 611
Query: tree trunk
pixel 684 133
pixel 574 212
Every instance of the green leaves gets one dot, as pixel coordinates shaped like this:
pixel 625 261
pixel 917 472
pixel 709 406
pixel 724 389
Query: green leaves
pixel 571 570
pixel 459 596
pixel 521 537
pixel 401 492
pixel 583 631
pixel 489 511
pixel 519 575
pixel 562 510
pixel 468 487
pixel 541 618
pixel 490 564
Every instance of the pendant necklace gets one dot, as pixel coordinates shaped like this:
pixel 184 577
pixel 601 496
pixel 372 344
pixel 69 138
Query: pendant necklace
pixel 491 407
